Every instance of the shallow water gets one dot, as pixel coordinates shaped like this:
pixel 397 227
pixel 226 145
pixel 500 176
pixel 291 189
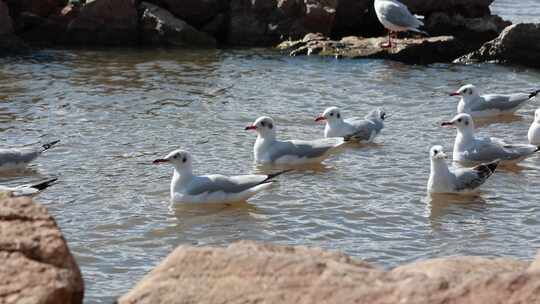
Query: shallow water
pixel 115 111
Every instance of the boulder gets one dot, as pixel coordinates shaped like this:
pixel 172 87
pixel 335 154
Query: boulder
pixel 35 263
pixel 517 44
pixel 267 22
pixel 413 50
pixel 248 272
pixel 479 29
pixel 105 22
pixel 195 12
pixel 160 27
pixel 467 8
pixel 42 8
pixel 6 24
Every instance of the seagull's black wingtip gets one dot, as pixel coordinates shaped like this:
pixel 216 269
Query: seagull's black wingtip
pixel 47 146
pixel 45 184
pixel 533 94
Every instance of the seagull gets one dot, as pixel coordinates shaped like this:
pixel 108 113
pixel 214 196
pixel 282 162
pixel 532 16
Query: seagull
pixel 534 130
pixel 468 148
pixel 27 190
pixel 456 180
pixel 187 187
pixel 361 130
pixel 396 17
pixel 19 158
pixel 478 105
pixel 269 150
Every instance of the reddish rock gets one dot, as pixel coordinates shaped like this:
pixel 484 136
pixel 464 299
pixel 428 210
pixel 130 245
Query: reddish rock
pixel 105 22
pixel 248 272
pixel 35 263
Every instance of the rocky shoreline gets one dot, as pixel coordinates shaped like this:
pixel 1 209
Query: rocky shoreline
pixel 462 31
pixel 37 267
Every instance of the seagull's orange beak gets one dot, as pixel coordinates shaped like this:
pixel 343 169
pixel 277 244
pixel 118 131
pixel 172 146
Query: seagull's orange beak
pixel 251 127
pixel 320 118
pixel 455 94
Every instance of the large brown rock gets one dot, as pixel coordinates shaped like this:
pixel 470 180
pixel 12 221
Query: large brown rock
pixel 467 8
pixel 35 263
pixel 6 24
pixel 105 22
pixel 248 272
pixel 160 27
pixel 517 44
pixel 195 12
pixel 414 50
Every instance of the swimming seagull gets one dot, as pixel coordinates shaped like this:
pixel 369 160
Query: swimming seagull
pixel 396 17
pixel 187 187
pixel 269 150
pixel 353 129
pixel 455 180
pixel 534 130
pixel 19 158
pixel 468 148
pixel 27 190
pixel 478 105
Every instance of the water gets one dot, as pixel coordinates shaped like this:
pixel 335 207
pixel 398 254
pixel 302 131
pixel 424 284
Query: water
pixel 115 111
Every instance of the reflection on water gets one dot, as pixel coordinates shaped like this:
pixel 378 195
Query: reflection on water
pixel 115 111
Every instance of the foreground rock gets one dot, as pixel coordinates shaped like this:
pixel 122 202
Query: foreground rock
pixel 9 43
pixel 35 263
pixel 159 27
pixel 518 44
pixel 413 50
pixel 248 272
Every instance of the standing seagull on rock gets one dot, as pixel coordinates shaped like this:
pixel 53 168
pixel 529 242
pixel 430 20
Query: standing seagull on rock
pixel 478 105
pixel 189 188
pixel 19 158
pixel 269 150
pixel 534 130
pixel 353 129
pixel 455 180
pixel 396 17
pixel 468 148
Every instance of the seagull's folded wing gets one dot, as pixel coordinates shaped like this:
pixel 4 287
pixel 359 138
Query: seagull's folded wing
pixel 226 184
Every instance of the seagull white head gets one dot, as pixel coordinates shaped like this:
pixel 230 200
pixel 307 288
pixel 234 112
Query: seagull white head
pixel 331 115
pixel 264 126
pixel 463 122
pixel 466 92
pixel 180 159
pixel 376 115
pixel 437 153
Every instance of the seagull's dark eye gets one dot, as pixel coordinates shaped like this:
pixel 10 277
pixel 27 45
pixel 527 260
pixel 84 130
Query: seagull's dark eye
pixel 270 126
pixel 331 114
pixel 459 120
pixel 175 156
pixel 338 115
pixel 184 159
pixel 262 123
pixel 435 152
pixel 466 122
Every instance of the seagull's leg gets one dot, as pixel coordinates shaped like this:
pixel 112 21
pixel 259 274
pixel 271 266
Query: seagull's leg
pixel 389 44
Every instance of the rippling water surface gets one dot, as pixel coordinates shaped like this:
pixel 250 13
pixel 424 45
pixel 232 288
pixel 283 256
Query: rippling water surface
pixel 117 110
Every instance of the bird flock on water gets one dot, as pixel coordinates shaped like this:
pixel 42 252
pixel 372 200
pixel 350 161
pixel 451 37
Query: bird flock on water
pixel 484 154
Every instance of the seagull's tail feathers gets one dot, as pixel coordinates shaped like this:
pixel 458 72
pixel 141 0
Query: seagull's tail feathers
pixel 420 32
pixel 44 184
pixel 533 94
pixel 274 175
pixel 47 146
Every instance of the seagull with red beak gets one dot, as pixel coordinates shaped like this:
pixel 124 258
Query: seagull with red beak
pixel 469 148
pixel 269 150
pixel 187 187
pixel 352 129
pixel 478 105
